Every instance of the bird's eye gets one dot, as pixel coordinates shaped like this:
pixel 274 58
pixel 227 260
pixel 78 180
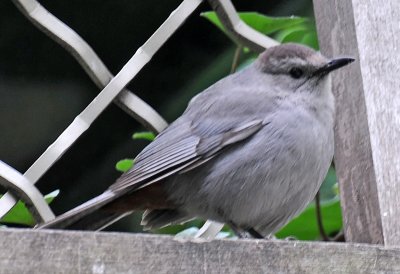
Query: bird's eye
pixel 296 73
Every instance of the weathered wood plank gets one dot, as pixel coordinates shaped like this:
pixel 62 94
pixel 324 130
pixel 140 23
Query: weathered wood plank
pixel 46 251
pixel 367 137
pixel 353 156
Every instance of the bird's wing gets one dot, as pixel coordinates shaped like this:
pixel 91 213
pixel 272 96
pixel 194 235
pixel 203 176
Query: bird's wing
pixel 181 146
pixel 213 120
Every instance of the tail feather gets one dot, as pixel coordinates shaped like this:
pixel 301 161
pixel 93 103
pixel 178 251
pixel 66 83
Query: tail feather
pixel 96 214
pixel 76 218
pixel 98 220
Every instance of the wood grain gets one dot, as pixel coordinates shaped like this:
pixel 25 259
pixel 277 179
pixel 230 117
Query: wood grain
pixel 46 251
pixel 367 146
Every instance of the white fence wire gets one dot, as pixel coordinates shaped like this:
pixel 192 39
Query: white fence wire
pixel 113 89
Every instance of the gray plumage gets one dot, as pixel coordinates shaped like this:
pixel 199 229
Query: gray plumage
pixel 252 150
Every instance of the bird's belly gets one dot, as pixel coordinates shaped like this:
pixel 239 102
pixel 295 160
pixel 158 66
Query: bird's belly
pixel 262 189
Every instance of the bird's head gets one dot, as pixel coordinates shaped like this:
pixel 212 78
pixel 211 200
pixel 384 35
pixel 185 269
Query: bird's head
pixel 296 68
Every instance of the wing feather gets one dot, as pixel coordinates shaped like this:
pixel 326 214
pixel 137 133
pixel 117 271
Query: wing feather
pixel 211 122
pixel 179 149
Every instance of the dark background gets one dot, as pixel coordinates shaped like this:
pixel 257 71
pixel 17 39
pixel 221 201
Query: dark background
pixel 42 88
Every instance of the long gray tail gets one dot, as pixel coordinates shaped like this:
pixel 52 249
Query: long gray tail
pixel 87 216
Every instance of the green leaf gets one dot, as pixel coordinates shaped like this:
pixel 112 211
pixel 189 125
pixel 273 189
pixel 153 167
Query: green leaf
pixel 283 29
pixel 303 34
pixel 304 226
pixel 262 23
pixel 281 35
pixel 268 25
pixel 20 214
pixel 212 17
pixel 311 39
pixel 295 36
pixel 50 197
pixel 124 165
pixel 145 135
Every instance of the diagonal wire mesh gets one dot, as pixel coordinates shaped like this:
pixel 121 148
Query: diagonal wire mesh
pixel 113 89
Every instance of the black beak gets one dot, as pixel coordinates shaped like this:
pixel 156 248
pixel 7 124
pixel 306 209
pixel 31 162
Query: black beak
pixel 334 64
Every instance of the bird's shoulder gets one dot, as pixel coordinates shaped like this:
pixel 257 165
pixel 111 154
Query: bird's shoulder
pixel 236 101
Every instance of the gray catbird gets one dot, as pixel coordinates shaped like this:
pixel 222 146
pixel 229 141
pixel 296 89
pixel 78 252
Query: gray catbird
pixel 251 151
